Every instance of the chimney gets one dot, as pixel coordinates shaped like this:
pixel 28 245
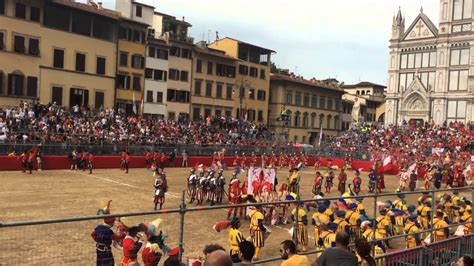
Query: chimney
pixel 99 6
pixel 90 3
pixel 183 18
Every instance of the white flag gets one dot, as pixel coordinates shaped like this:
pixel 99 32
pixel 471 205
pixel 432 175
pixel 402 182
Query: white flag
pixel 320 135
pixel 134 104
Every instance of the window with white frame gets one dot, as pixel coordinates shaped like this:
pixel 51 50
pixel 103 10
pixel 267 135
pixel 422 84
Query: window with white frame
pixel 456 110
pixel 462 9
pixel 458 80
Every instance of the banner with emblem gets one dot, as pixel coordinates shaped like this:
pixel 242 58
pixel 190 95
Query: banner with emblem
pixel 259 175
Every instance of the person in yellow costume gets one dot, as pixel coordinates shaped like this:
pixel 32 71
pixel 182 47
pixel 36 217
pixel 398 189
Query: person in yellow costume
pixel 257 229
pixel 342 224
pixel 235 238
pixel 455 206
pixel 384 224
pixel 400 204
pixel 412 227
pixel 354 220
pixel 367 230
pixel 360 206
pixel 327 239
pixel 467 217
pixel 424 212
pixel 440 233
pixel 299 216
pixel 318 219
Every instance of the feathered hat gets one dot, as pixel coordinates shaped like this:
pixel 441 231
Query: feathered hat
pixel 105 210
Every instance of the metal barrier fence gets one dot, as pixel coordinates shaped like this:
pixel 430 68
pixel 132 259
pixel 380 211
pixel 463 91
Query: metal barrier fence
pixel 193 150
pixel 67 240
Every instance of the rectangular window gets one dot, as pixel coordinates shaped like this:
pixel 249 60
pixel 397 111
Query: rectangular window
pixel 33 47
pixel 149 96
pixel 138 11
pixel 314 101
pixel 57 96
pixel 123 59
pixel 159 97
pixel 228 113
pixel 58 60
pixel 411 61
pixel 162 54
pixel 260 116
pixel 196 113
pixel 15 84
pixel 456 111
pixel 208 89
pixel 462 9
pixel 136 83
pixel 197 87
pixel 426 60
pixel 32 87
pixel 298 99
pixel 173 74
pixel 322 102
pixel 243 70
pixel 289 98
pixel 218 113
pixel 19 46
pixel 459 57
pixel 148 73
pixel 330 104
pixel 100 65
pixel 253 72
pixel 184 76
pixel 229 92
pixel 262 74
pixel 458 80
pixel 174 51
pixel 219 91
pixel 207 112
pixel 99 100
pixel 418 60
pixel 209 68
pixel 2 7
pixel 159 75
pixel 403 61
pixel 123 81
pixel 230 71
pixel 138 61
pixel 252 94
pixel 35 14
pixel 20 11
pixel 199 66
pixel 306 100
pixel 186 53
pixel 151 51
pixel 220 70
pixel 80 62
pixel 261 95
pixel 2 41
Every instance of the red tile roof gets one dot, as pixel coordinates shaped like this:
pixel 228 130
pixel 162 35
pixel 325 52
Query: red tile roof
pixel 87 8
pixel 212 52
pixel 363 84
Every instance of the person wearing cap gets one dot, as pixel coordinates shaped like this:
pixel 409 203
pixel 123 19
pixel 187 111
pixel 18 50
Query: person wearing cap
pixel 357 182
pixel 401 205
pixel 467 218
pixel 317 183
pixel 299 216
pixel 104 236
pixel 257 229
pixel 360 207
pixel 439 224
pixel 342 225
pixel 327 239
pixel 383 223
pixel 329 181
pixel 354 220
pixel 424 212
pixel 329 212
pixel 235 238
pixel 411 229
pixel 318 219
pixel 131 244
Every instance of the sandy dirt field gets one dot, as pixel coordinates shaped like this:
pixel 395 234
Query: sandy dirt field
pixel 64 193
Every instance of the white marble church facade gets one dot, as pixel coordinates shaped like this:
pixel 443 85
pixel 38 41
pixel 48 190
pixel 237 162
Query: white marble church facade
pixel 431 69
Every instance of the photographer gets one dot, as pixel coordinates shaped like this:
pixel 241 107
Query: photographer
pixel 131 245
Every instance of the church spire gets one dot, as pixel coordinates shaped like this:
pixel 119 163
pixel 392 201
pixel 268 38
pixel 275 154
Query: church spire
pixel 399 18
pixel 398 27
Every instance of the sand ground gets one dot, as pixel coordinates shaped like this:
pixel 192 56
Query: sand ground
pixel 64 193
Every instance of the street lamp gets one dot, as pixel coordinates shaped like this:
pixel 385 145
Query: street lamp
pixel 241 86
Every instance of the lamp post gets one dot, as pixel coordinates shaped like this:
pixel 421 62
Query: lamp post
pixel 242 85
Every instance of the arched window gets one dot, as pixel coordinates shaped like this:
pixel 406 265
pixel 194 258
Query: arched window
pixel 368 92
pixel 336 122
pixel 328 122
pixel 320 124
pixel 313 120
pixel 2 82
pixel 357 92
pixel 305 120
pixel 297 119
pixel 363 92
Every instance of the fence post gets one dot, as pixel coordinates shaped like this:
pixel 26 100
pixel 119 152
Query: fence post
pixel 182 211
pixel 432 215
pixel 374 226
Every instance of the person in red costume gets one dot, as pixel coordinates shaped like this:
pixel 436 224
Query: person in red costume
pixel 131 245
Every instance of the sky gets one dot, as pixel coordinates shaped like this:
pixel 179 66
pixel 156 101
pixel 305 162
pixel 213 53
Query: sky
pixel 343 39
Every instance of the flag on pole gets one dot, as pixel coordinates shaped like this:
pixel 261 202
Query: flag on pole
pixel 142 102
pixel 320 135
pixel 387 164
pixel 134 106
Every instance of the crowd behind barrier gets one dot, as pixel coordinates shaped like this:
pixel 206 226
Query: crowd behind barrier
pixel 50 250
